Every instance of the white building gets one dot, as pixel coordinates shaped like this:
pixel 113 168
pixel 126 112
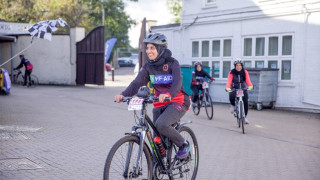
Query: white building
pixel 283 34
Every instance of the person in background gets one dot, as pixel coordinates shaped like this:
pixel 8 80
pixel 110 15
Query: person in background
pixel 239 78
pixel 198 76
pixel 28 69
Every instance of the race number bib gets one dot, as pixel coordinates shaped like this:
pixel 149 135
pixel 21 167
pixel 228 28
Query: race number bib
pixel 135 104
pixel 205 85
pixel 239 93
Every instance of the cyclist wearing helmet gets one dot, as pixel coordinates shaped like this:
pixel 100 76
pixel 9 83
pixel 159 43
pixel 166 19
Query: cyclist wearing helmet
pixel 236 79
pixel 163 72
pixel 198 76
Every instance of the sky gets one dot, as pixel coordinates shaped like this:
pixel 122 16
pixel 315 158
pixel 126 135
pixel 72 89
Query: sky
pixel 152 10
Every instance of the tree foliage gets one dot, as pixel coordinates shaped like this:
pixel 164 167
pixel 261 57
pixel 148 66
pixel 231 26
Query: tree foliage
pixel 86 13
pixel 175 7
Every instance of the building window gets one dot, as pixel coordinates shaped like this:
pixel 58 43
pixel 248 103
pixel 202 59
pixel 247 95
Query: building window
pixel 216 69
pixel 287 45
pixel 216 48
pixel 259 64
pixel 273 64
pixel 273 46
pixel 260 46
pixel 205 63
pixel 227 47
pixel 195 49
pixel 226 69
pixel 247 64
pixel 247 50
pixel 286 70
pixel 205 49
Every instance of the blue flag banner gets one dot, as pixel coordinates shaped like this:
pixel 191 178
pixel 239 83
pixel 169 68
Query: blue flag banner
pixel 108 48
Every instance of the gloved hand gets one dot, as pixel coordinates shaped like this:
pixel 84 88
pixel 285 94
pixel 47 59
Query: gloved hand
pixel 212 79
pixel 250 87
pixel 228 89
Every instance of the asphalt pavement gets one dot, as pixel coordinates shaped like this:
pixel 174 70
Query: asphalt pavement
pixel 66 132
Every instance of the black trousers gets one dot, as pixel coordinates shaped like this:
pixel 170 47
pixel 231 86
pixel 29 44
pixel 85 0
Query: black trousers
pixel 27 75
pixel 195 92
pixel 164 117
pixel 232 98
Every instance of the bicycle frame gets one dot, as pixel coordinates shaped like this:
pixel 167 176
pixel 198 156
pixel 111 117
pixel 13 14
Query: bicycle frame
pixel 144 124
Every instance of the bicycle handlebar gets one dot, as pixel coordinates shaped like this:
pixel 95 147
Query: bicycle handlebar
pixel 149 99
pixel 234 89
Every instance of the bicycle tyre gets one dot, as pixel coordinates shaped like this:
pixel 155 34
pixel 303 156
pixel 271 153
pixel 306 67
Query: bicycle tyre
pixel 18 80
pixel 190 174
pixel 196 110
pixel 237 113
pixel 108 173
pixel 209 106
pixel 34 80
pixel 242 116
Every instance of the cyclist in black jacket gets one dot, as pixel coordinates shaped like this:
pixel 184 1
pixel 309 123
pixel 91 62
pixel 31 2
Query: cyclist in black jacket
pixel 163 72
pixel 198 76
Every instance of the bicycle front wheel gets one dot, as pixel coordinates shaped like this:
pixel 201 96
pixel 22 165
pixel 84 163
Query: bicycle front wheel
pixel 188 169
pixel 242 116
pixel 18 80
pixel 122 160
pixel 209 106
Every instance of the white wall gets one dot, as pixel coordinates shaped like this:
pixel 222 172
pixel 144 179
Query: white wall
pixel 54 61
pixel 288 17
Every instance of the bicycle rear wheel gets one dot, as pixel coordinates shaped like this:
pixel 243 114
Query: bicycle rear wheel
pixel 122 159
pixel 34 81
pixel 242 115
pixel 187 169
pixel 208 106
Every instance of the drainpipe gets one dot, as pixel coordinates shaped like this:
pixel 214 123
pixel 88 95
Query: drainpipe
pixel 305 35
pixel 11 69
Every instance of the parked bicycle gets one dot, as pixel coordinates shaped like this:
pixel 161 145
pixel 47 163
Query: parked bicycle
pixel 239 112
pixel 132 158
pixel 204 101
pixel 18 78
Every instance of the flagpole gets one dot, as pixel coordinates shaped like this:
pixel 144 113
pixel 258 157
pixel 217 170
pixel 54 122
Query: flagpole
pixel 16 55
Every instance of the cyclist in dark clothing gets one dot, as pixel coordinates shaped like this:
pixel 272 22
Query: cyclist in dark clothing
pixel 198 76
pixel 163 72
pixel 239 78
pixel 28 69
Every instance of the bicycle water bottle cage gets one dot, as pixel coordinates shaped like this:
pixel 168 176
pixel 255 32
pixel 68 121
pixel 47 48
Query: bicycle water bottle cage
pixel 143 92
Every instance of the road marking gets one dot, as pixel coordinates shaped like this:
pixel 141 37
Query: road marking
pixel 13 135
pixel 13 164
pixel 19 128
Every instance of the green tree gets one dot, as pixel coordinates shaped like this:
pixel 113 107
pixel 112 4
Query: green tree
pixel 86 13
pixel 175 7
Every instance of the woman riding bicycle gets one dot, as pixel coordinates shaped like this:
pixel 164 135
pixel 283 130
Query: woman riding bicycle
pixel 236 79
pixel 198 76
pixel 163 72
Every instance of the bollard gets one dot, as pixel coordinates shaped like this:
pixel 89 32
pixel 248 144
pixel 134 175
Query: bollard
pixel 112 72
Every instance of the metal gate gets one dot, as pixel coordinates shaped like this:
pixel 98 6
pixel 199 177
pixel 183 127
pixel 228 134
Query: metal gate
pixel 90 58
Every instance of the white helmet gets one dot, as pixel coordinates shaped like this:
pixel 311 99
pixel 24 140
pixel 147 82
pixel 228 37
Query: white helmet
pixel 238 60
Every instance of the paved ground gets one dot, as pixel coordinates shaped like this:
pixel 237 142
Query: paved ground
pixel 53 132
